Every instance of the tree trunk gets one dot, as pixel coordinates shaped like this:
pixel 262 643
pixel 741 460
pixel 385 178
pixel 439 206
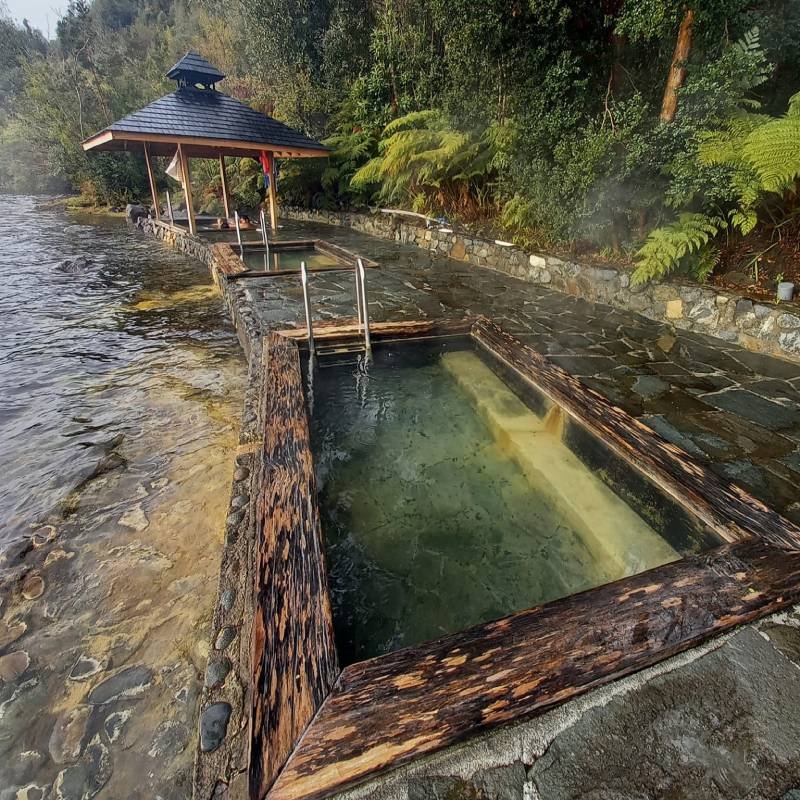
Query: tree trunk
pixel 677 70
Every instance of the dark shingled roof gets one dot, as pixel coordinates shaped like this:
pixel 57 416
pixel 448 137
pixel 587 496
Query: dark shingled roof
pixel 195 69
pixel 209 114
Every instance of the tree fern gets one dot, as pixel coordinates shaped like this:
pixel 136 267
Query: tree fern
pixel 426 162
pixel 762 157
pixel 773 151
pixel 666 247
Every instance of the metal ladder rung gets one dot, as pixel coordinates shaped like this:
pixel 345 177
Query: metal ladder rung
pixel 362 308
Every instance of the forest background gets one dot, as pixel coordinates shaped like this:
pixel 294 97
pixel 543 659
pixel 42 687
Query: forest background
pixel 656 130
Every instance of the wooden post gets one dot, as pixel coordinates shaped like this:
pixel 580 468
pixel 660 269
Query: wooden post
pixel 187 188
pixel 152 179
pixel 273 202
pixel 224 178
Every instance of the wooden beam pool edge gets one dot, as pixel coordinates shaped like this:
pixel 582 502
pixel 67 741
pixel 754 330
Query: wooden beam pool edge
pixel 389 711
pixel 294 662
pixel 309 774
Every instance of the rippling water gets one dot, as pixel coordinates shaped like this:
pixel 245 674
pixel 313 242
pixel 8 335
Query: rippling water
pixel 76 352
pixel 120 392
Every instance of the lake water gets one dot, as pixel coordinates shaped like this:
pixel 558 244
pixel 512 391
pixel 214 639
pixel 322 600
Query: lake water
pixel 121 384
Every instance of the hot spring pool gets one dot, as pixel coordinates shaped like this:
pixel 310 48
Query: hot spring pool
pixel 277 260
pixel 451 496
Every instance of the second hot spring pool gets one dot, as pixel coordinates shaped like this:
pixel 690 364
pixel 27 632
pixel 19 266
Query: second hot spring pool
pixel 452 493
pixel 277 260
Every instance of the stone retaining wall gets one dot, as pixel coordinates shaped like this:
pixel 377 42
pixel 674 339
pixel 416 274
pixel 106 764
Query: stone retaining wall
pixel 764 327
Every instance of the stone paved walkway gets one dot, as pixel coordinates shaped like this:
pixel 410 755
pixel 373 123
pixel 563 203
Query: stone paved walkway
pixel 735 409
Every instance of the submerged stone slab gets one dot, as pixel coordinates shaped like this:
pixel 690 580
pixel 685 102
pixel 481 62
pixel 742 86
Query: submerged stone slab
pixel 129 682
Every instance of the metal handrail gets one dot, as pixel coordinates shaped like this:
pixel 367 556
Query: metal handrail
pixel 357 275
pixel 238 234
pixel 307 304
pixel 365 305
pixel 264 232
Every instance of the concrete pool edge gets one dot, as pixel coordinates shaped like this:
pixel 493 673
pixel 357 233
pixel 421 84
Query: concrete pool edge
pixel 228 781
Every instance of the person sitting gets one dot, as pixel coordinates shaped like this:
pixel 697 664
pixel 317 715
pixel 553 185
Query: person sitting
pixel 244 222
pixel 221 224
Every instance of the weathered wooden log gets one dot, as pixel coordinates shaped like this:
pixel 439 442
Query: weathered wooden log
pixel 294 655
pixel 387 711
pixel 348 327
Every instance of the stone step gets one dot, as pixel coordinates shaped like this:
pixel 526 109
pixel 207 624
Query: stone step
pixel 621 541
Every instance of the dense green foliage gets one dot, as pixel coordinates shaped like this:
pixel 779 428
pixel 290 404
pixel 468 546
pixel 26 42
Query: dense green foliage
pixel 542 118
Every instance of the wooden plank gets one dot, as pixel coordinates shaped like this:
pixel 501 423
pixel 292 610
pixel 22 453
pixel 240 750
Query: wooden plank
pixel 726 508
pixel 223 175
pixel 390 710
pixel 348 328
pixel 294 657
pixel 187 189
pixel 152 180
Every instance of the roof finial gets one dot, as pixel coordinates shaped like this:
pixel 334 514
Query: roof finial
pixel 193 69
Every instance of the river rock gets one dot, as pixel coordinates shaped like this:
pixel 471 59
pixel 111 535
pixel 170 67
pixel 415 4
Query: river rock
pixel 31 792
pixel 227 599
pixel 134 212
pixel 24 767
pixel 214 726
pixel 114 723
pixel 217 671
pixel 98 767
pixel 70 783
pixel 44 536
pixel 130 682
pixel 134 518
pixel 13 665
pixel 32 586
pixel 11 631
pixel 225 637
pixel 67 735
pixel 74 266
pixel 84 668
pixel 84 780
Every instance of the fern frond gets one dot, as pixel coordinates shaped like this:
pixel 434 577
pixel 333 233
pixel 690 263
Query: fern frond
pixel 414 119
pixel 666 247
pixel 773 150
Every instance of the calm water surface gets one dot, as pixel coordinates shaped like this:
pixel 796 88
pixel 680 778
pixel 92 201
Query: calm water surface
pixel 120 389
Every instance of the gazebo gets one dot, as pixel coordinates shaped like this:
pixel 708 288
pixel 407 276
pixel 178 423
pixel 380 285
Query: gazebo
pixel 197 121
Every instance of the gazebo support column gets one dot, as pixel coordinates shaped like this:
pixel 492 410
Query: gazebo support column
pixel 187 188
pixel 152 179
pixel 224 177
pixel 273 202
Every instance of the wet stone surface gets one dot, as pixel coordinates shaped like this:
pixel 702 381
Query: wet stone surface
pixel 722 403
pixel 214 726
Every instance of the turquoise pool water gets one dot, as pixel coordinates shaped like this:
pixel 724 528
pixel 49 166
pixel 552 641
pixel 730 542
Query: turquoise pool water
pixel 283 260
pixel 448 502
